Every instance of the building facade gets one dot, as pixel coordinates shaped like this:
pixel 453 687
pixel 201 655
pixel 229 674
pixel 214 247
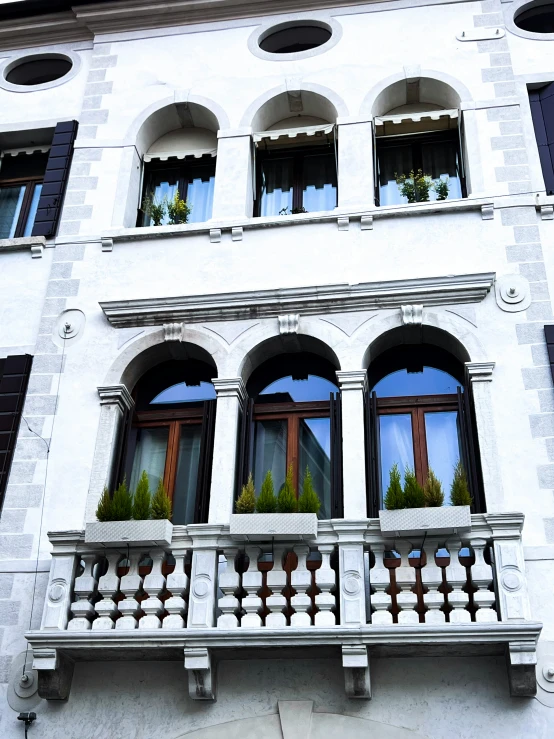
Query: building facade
pixel 242 238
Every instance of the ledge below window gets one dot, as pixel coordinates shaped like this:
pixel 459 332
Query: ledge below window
pixel 34 244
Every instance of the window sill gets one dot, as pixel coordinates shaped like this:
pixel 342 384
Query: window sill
pixel 34 244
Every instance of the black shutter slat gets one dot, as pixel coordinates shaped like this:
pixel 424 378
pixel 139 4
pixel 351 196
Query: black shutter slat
pixel 471 458
pixel 243 447
pixel 542 113
pixel 205 462
pixel 124 454
pixel 13 389
pixel 374 456
pixel 55 179
pixel 335 417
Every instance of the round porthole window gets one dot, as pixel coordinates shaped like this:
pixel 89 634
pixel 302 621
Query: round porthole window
pixel 292 38
pixel 38 70
pixel 536 18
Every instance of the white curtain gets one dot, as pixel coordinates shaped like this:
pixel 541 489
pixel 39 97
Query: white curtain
pixel 184 497
pixel 276 186
pixel 200 196
pixel 319 189
pixel 150 455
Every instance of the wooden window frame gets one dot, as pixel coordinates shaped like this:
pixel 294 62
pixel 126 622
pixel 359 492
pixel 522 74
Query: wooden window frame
pixel 30 184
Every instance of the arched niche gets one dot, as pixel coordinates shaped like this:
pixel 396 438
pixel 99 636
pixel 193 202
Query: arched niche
pixel 171 118
pixel 416 335
pixel 297 108
pixel 415 95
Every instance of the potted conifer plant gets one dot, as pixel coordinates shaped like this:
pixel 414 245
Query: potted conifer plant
pixel 133 520
pixel 280 517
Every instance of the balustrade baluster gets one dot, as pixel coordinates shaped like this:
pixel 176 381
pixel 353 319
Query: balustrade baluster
pixel 481 577
pixel 405 579
pixel 154 586
pixel 456 576
pixel 177 583
pixel 431 577
pixel 229 584
pixel 84 590
pixel 379 580
pixel 108 587
pixel 326 581
pixel 276 582
pixel 130 586
pixel 301 580
pixel 252 582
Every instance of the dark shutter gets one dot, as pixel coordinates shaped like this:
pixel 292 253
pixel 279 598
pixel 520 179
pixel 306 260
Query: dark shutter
pixel 549 336
pixel 372 457
pixel 14 374
pixel 471 457
pixel 542 112
pixel 205 462
pixel 243 468
pixel 125 449
pixel 337 510
pixel 55 179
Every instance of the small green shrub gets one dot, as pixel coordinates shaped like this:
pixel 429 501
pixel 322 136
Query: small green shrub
pixel 267 502
pixel 434 496
pixel 141 499
pixel 154 209
pixel 394 497
pixel 104 509
pixel 459 491
pixel 178 210
pixel 309 501
pixel 442 188
pixel 286 500
pixel 122 503
pixel 414 497
pixel 246 502
pixel 161 507
pixel 415 186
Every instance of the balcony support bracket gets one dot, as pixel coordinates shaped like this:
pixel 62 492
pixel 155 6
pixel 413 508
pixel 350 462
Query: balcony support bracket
pixel 521 659
pixel 198 664
pixel 355 662
pixel 55 673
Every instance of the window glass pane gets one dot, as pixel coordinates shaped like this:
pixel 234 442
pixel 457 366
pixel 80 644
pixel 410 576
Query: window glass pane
pixel 315 453
pixel 440 161
pixel 164 185
pixel 270 452
pixel 11 199
pixel 200 197
pixel 33 210
pixel 443 446
pixel 184 496
pixel 183 393
pixel 396 445
pixel 314 388
pixel 150 453
pixel 393 161
pixel 429 382
pixel 276 186
pixel 319 187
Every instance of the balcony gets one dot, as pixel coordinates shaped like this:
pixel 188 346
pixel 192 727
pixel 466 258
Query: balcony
pixel 350 592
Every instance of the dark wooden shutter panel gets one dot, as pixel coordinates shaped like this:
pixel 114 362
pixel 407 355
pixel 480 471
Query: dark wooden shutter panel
pixel 205 462
pixel 471 456
pixel 243 446
pixel 55 179
pixel 542 112
pixel 14 376
pixel 372 457
pixel 125 450
pixel 337 509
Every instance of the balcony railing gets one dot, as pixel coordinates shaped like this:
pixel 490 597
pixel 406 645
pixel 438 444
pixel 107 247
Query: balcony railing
pixel 350 590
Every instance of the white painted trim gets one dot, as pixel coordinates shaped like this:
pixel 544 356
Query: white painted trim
pixel 14 61
pixel 515 8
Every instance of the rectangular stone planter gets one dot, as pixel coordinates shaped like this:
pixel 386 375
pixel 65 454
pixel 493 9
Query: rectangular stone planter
pixel 279 526
pixel 445 520
pixel 132 533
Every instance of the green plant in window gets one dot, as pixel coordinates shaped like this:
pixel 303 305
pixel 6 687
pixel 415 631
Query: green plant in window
pixel 246 502
pixel 154 209
pixel 459 491
pixel 309 501
pixel 178 210
pixel 293 211
pixel 104 510
pixel 267 502
pixel 286 500
pixel 415 186
pixel 142 498
pixel 442 188
pixel 122 503
pixel 394 497
pixel 434 496
pixel 414 497
pixel 161 503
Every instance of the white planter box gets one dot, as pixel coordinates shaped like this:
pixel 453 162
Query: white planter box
pixel 280 526
pixel 445 520
pixel 133 533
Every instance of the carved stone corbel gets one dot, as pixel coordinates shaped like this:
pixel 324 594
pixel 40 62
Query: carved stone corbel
pixel 355 662
pixel 521 659
pixel 55 673
pixel 198 664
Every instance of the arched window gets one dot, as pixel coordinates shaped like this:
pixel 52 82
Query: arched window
pixel 171 435
pixel 421 418
pixel 294 419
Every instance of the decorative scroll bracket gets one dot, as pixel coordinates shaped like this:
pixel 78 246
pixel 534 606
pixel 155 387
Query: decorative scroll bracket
pixel 198 664
pixel 55 673
pixel 355 662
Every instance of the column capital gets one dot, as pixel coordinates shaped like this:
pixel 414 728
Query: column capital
pixel 352 379
pixel 116 395
pixel 480 371
pixel 229 387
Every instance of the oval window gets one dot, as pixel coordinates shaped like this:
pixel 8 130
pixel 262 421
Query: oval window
pixel 536 18
pixel 38 71
pixel 292 39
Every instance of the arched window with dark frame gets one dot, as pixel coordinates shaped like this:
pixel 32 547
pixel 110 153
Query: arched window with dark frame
pixel 420 416
pixel 292 417
pixel 170 435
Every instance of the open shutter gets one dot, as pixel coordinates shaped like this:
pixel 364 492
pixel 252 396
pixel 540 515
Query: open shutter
pixel 337 510
pixel 125 451
pixel 14 376
pixel 542 112
pixel 375 165
pixel 205 463
pixel 243 447
pixel 55 179
pixel 372 464
pixel 471 458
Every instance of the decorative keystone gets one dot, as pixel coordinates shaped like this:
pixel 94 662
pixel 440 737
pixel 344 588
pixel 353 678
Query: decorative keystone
pixel 173 331
pixel 412 314
pixel 288 324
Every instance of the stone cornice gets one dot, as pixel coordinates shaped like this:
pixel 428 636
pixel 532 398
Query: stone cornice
pixel 311 300
pixel 116 395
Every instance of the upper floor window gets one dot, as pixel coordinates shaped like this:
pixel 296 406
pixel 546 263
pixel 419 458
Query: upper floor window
pixel 536 17
pixel 21 179
pixel 542 111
